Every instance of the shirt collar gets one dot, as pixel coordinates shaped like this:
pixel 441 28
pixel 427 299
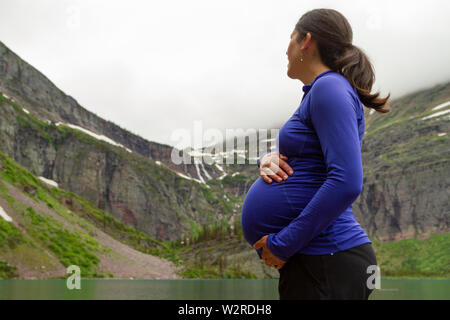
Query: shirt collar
pixel 307 87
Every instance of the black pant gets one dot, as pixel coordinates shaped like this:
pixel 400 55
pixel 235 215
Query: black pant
pixel 342 275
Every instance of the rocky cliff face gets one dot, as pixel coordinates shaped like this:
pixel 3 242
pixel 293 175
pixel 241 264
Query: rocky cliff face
pixel 405 156
pixel 132 188
pixel 132 179
pixel 33 91
pixel 406 167
pixel 43 230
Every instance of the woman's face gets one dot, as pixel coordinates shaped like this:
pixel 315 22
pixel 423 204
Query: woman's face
pixel 293 54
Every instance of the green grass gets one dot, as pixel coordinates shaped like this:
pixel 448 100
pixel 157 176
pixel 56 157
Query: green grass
pixel 10 235
pixel 415 258
pixel 71 248
pixel 57 199
pixel 405 258
pixel 58 135
pixel 7 271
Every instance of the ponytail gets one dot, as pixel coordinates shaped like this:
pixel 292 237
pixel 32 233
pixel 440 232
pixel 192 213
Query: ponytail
pixel 356 67
pixel 333 35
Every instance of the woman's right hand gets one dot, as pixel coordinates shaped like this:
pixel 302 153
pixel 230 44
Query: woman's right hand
pixel 272 165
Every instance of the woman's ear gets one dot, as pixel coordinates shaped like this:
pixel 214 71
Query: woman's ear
pixel 306 41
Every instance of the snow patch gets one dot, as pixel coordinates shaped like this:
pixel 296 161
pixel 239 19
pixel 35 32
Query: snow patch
pixel 48 181
pixel 158 163
pixel 4 215
pixel 188 178
pixel 26 111
pixel 442 105
pixel 192 179
pixel 223 171
pixel 205 172
pixel 219 167
pixel 436 114
pixel 441 134
pixel 96 136
pixel 223 176
pixel 198 171
pixel 8 97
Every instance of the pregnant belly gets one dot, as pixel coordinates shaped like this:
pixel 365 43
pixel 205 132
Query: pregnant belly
pixel 268 208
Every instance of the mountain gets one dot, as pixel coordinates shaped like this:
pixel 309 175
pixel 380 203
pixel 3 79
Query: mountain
pixel 32 90
pixel 129 177
pixel 190 213
pixel 44 229
pixel 406 156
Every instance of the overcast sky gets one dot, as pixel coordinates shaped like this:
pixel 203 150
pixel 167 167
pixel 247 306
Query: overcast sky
pixel 156 66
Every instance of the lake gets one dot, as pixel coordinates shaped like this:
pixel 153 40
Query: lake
pixel 200 289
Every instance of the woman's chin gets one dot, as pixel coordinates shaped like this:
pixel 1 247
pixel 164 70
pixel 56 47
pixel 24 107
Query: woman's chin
pixel 288 73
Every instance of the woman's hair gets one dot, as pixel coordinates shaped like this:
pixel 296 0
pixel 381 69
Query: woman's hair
pixel 333 35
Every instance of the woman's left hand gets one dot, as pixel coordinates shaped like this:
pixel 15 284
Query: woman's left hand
pixel 269 258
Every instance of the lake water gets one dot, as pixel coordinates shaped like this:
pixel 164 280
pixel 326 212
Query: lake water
pixel 201 289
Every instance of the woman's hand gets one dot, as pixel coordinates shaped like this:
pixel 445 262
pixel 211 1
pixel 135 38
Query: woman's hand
pixel 269 259
pixel 272 166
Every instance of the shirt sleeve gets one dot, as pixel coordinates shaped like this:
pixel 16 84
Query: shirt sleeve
pixel 334 118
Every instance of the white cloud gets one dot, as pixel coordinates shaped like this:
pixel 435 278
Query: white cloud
pixel 156 66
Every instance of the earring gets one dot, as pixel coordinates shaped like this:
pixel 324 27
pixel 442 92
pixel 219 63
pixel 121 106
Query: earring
pixel 301 58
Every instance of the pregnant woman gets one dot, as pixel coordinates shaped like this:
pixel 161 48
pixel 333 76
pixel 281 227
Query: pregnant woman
pixel 298 213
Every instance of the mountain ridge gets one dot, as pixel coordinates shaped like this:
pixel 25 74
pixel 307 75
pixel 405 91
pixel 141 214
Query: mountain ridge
pixel 405 193
pixel 34 91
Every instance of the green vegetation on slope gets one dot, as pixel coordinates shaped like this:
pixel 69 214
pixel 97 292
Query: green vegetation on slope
pixel 69 246
pixel 7 271
pixel 415 258
pixel 398 152
pixel 190 195
pixel 10 235
pixel 412 258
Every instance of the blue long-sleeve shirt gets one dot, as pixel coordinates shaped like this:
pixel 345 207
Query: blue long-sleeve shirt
pixel 311 211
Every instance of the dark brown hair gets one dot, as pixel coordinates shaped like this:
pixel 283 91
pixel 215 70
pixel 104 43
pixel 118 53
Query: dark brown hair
pixel 333 35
